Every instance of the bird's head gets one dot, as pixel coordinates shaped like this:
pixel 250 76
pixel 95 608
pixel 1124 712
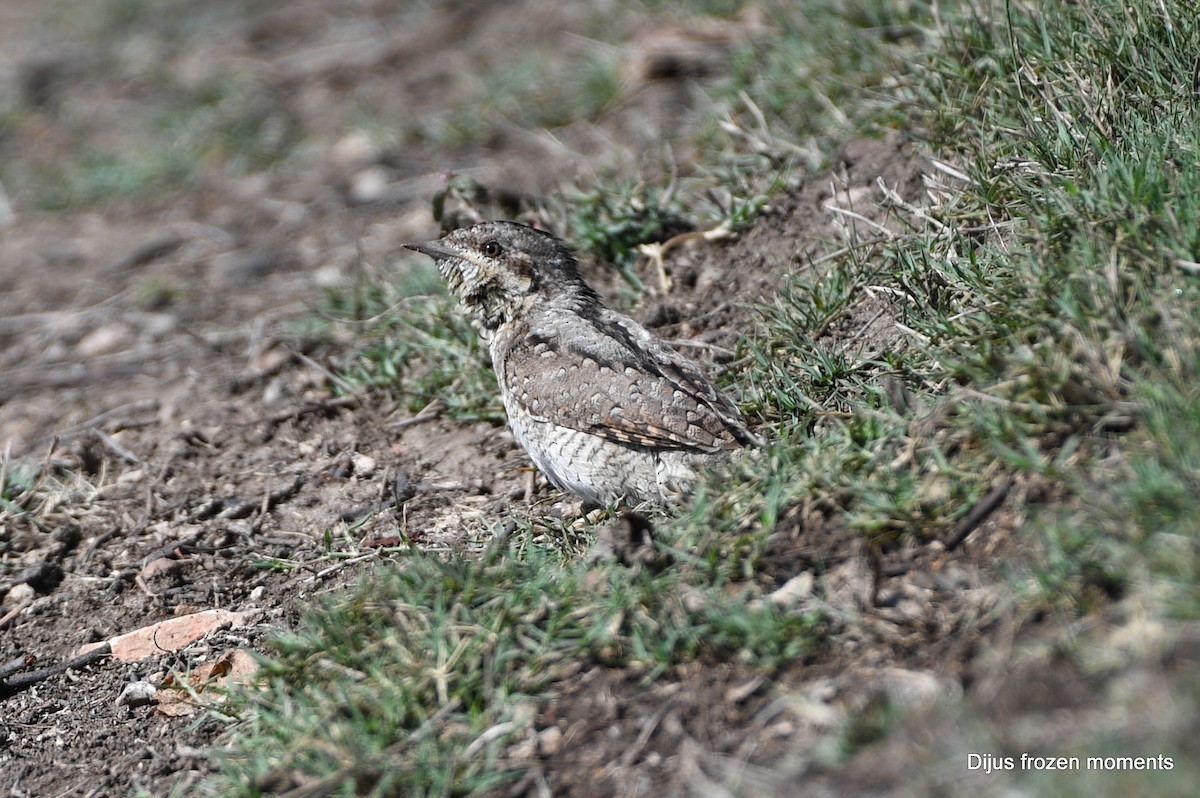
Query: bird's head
pixel 501 269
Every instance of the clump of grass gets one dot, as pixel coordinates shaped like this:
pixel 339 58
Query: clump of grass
pixel 415 681
pixel 92 177
pixel 1045 303
pixel 16 485
pixel 1091 321
pixel 40 498
pixel 792 96
pixel 610 221
pixel 424 353
pixel 538 90
pixel 413 341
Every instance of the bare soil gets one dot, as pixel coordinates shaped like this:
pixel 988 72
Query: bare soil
pixel 194 428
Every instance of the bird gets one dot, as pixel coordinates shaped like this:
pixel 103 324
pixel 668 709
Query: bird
pixel 604 408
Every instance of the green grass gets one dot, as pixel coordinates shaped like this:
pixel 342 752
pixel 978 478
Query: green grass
pixel 17 484
pixel 1091 316
pixel 1049 312
pixel 1051 300
pixel 412 340
pixel 795 93
pixel 465 648
pixel 537 89
pixel 169 135
pixel 220 127
pixel 609 222
pixel 38 499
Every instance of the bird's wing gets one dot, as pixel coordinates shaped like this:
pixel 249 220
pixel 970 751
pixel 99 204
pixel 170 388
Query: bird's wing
pixel 610 377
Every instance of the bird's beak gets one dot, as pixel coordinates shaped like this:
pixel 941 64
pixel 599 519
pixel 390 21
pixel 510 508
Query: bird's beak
pixel 434 249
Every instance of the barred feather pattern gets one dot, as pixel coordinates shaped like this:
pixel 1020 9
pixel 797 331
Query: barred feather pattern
pixel 604 408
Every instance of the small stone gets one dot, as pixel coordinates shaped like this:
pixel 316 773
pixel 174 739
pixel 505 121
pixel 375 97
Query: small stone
pixel 369 185
pixel 43 577
pixel 550 741
pixel 364 466
pixel 156 325
pixel 137 694
pixel 355 149
pixel 19 594
pixel 910 688
pixel 105 340
pixel 525 750
pixel 796 588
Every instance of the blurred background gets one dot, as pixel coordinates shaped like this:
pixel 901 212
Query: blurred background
pixel 166 164
pixel 263 119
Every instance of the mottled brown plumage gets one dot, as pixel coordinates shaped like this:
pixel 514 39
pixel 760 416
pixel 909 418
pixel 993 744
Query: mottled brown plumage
pixel 607 410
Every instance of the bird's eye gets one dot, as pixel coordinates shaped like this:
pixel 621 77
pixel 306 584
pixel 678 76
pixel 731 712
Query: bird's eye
pixel 491 249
